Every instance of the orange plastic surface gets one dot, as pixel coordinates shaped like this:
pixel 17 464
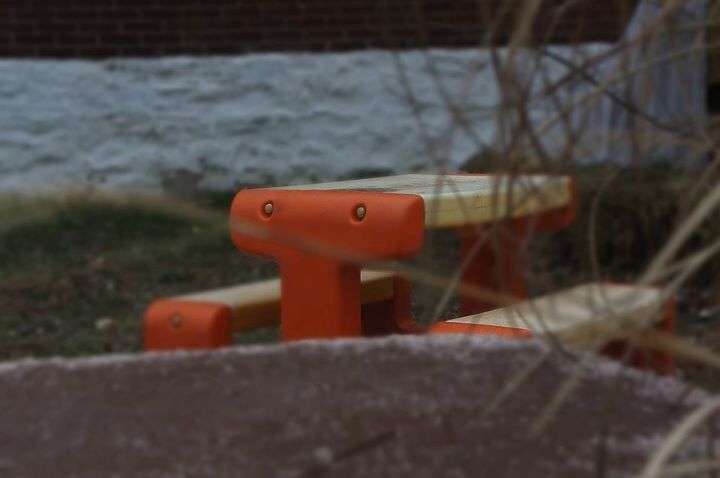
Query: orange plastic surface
pixel 391 316
pixel 393 226
pixel 498 264
pixel 442 327
pixel 644 358
pixel 557 218
pixel 172 324
pixel 318 241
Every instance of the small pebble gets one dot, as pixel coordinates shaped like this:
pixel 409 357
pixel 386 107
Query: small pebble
pixel 97 264
pixel 105 324
pixel 708 313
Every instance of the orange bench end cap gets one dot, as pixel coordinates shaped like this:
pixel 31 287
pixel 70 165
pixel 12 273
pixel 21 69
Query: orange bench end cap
pixel 172 324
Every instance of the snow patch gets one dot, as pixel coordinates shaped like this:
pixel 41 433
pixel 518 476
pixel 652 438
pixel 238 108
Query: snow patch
pixel 218 122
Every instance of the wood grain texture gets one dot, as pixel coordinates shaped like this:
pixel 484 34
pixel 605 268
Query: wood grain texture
pixel 582 315
pixel 455 200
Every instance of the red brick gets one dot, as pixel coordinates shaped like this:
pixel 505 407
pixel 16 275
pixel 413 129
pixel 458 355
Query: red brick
pixel 58 27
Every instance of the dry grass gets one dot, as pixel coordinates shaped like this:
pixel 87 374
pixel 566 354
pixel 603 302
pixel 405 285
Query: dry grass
pixel 80 257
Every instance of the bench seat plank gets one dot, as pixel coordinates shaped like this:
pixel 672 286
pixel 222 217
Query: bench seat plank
pixel 579 315
pixel 257 304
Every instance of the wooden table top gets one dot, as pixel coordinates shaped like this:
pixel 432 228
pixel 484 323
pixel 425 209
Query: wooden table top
pixel 458 199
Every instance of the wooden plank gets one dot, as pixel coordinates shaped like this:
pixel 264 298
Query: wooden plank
pixel 578 315
pixel 453 200
pixel 257 304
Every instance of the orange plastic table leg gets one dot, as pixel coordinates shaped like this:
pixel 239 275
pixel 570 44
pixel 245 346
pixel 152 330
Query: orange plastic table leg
pixel 498 264
pixel 644 358
pixel 392 316
pixel 320 298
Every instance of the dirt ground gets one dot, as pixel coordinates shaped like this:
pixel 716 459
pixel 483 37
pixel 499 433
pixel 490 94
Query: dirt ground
pixel 394 407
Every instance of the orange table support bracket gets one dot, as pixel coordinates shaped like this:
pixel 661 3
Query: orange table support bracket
pixel 320 239
pixel 496 261
pixel 495 256
pixel 392 316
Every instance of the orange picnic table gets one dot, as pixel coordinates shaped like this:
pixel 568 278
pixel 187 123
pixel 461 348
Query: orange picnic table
pixel 322 235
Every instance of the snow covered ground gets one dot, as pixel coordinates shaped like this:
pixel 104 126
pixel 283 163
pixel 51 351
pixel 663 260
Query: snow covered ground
pixel 224 121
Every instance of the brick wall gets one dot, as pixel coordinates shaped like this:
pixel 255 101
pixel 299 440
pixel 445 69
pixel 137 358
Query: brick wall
pixel 713 62
pixel 101 28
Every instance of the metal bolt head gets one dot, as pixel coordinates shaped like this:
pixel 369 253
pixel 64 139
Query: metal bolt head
pixel 268 208
pixel 176 320
pixel 360 212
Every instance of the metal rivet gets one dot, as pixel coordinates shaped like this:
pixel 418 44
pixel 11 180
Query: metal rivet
pixel 360 212
pixel 268 208
pixel 176 320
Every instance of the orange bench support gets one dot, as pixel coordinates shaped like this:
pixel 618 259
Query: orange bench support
pixel 321 292
pixel 207 319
